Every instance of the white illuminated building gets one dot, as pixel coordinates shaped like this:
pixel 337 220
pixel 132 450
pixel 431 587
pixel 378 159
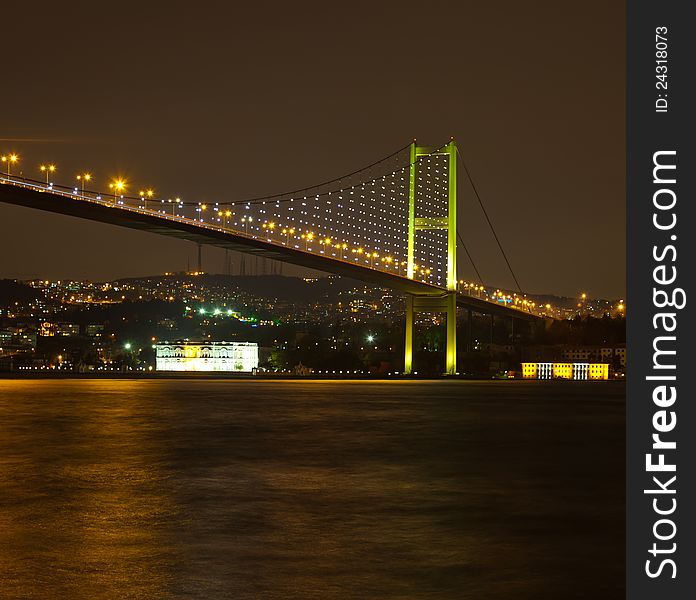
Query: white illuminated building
pixel 240 357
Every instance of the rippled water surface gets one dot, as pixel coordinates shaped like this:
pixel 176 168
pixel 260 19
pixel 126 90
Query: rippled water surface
pixel 311 489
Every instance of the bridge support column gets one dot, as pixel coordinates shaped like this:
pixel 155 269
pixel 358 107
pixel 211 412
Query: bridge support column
pixel 445 302
pixel 451 362
pixel 468 330
pixel 408 347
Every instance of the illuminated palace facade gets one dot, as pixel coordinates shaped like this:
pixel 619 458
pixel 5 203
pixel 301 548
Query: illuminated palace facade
pixel 240 357
pixel 565 370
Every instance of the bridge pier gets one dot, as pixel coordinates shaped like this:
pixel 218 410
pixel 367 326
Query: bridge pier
pixel 445 302
pixel 469 316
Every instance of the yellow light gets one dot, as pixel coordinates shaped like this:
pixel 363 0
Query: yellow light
pixel 150 193
pixel 228 213
pixel 204 206
pixel 14 158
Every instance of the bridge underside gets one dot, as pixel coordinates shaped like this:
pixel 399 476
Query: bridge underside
pixel 162 225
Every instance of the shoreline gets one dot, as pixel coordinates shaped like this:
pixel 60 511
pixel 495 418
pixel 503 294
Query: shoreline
pixel 278 377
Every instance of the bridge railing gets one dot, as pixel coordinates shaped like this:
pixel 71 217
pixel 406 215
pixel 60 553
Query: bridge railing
pixel 313 245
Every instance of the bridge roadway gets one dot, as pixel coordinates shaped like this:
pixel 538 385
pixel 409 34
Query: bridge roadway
pixel 34 195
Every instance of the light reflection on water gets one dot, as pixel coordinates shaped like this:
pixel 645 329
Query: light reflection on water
pixel 296 489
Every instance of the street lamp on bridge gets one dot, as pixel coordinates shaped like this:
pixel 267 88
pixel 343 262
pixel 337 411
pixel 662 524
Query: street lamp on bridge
pixel 225 214
pixel 81 178
pixel 47 169
pixel 10 159
pixel 118 186
pixel 146 195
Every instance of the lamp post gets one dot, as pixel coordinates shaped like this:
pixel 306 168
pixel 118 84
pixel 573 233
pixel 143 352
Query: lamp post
pixel 146 195
pixel 10 159
pixel 400 264
pixel 81 178
pixel 308 238
pixel 46 169
pixel 288 232
pixel 117 186
pixel 226 214
pixel 269 227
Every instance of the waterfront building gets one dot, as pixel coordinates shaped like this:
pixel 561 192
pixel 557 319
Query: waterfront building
pixel 240 357
pixel 615 355
pixel 565 370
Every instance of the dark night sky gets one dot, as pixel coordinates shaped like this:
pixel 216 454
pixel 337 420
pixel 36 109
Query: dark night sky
pixel 214 100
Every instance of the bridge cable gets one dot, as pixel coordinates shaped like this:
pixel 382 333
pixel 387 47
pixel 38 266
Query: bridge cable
pixel 318 185
pixel 490 224
pixel 471 260
pixel 337 191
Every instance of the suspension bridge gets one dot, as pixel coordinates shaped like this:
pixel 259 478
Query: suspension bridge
pixel 391 224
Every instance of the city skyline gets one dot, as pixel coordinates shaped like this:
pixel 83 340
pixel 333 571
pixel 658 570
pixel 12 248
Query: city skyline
pixel 172 121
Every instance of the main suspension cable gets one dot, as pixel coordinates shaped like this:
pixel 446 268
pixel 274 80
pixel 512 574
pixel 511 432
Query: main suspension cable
pixel 490 224
pixel 471 260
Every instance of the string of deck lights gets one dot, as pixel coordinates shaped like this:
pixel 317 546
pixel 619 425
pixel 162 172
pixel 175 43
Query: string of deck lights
pixel 363 221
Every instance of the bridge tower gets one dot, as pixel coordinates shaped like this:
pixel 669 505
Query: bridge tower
pixel 445 301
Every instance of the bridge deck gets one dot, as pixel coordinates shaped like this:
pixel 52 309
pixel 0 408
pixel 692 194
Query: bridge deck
pixel 32 196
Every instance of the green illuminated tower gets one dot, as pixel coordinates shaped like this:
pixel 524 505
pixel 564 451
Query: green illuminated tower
pixel 445 301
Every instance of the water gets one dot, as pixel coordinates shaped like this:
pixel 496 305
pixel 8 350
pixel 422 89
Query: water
pixel 311 489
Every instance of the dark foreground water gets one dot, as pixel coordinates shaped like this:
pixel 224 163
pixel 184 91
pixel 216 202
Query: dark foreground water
pixel 311 489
